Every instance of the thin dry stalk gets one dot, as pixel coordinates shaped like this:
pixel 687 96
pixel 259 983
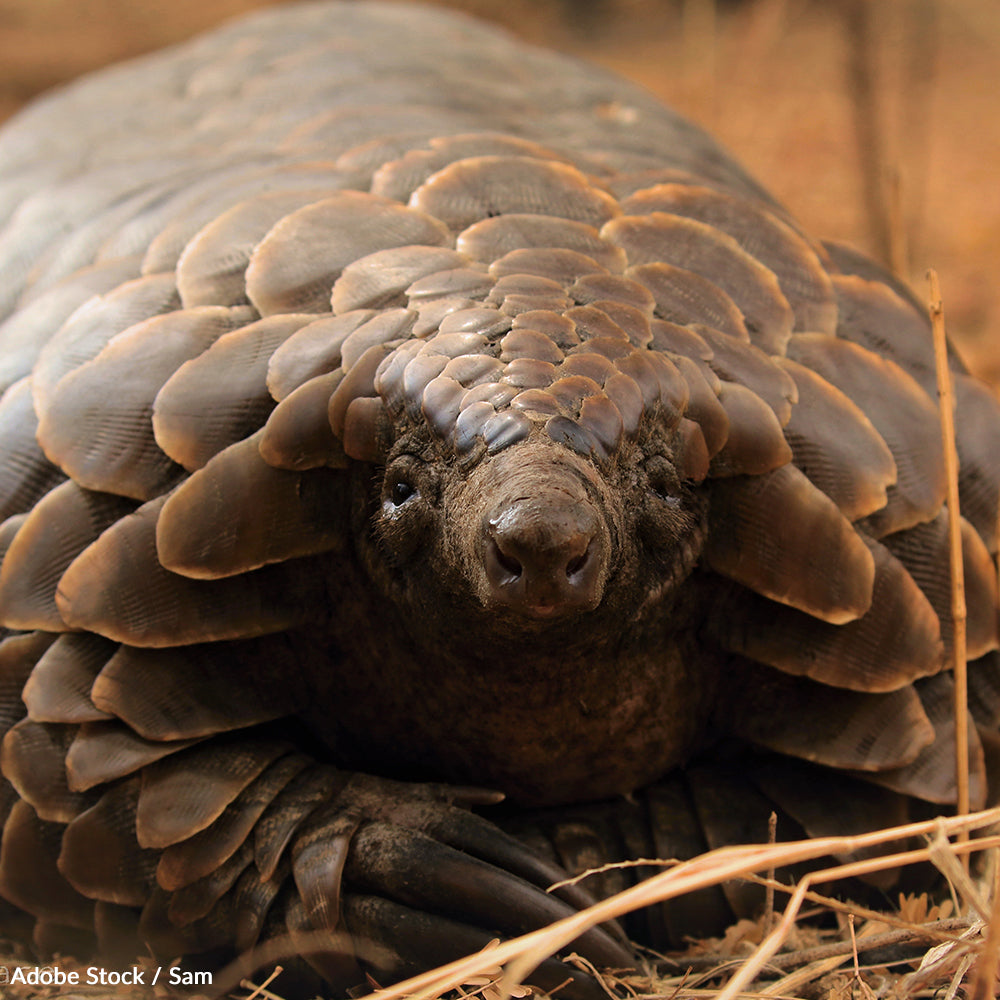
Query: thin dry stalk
pixel 984 983
pixel 947 412
pixel 772 838
pixel 525 953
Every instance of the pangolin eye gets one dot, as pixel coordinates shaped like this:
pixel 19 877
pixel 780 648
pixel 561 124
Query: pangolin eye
pixel 663 482
pixel 402 490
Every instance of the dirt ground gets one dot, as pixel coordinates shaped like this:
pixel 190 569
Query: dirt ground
pixel 876 121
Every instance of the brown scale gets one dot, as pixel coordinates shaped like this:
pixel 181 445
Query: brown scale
pixel 59 687
pixel 491 239
pixel 230 381
pixel 896 641
pixel 475 319
pixel 558 264
pixel 432 315
pixel 399 178
pixel 612 288
pixel 836 446
pixel 528 373
pixel 702 249
pixel 560 329
pixel 107 443
pixel 313 349
pixel 26 474
pixel 19 344
pixel 298 434
pixel 761 234
pixel 284 277
pixel 529 344
pixel 389 326
pixel 683 297
pixel 469 190
pixel 458 281
pixel 65 521
pixel 211 265
pixel 102 752
pixel 383 278
pixel 86 332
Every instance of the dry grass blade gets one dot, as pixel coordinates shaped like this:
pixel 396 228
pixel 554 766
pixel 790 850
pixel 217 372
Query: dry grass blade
pixel 523 954
pixel 958 611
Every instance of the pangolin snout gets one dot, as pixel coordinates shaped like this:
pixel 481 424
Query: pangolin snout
pixel 546 554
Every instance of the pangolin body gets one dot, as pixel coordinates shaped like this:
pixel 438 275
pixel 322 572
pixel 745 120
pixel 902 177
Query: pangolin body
pixel 391 406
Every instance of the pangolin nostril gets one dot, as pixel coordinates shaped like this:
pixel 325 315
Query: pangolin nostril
pixel 507 562
pixel 574 566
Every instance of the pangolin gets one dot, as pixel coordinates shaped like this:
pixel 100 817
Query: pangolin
pixel 398 417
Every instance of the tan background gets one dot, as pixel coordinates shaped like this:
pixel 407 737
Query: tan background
pixel 875 121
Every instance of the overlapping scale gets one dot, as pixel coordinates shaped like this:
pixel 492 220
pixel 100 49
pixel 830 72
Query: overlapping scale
pixel 815 561
pixel 556 263
pixel 755 444
pixel 931 776
pixel 59 688
pixel 220 396
pixel 490 239
pixel 117 588
pixel 924 550
pixel 899 410
pixel 59 527
pixel 384 328
pixel 310 180
pixel 239 513
pixel 735 361
pixel 185 793
pixel 198 856
pixel 516 293
pixel 33 761
pixel 102 752
pixel 683 297
pixel 100 856
pixel 359 383
pixel 198 690
pixel 294 267
pixel 312 350
pixel 298 434
pixel 104 439
pixel 834 443
pixel 801 276
pixel 212 266
pixel 194 900
pixel 480 187
pixel 85 333
pixel 869 732
pixel 400 177
pixel 23 334
pixel 381 279
pixel 895 642
pixel 26 474
pixel 592 288
pixel 695 246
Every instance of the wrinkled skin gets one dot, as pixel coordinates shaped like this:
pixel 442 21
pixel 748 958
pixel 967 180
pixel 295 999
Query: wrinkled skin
pixel 550 697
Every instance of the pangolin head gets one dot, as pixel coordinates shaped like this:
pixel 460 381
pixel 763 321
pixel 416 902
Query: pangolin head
pixel 536 469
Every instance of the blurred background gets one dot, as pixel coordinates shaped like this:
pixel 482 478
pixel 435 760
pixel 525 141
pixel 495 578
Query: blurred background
pixel 876 122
